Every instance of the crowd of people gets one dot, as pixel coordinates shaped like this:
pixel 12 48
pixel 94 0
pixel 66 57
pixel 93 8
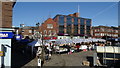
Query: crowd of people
pixel 52 48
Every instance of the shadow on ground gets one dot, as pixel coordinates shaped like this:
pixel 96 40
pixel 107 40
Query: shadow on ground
pixel 90 59
pixel 19 58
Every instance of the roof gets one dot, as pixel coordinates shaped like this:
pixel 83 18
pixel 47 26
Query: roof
pixel 101 26
pixel 108 49
pixel 69 16
pixel 49 20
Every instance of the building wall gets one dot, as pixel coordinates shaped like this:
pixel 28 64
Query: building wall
pixel 119 17
pixel 0 14
pixel 100 31
pixel 119 31
pixel 49 28
pixel 73 25
pixel 27 31
pixel 6 14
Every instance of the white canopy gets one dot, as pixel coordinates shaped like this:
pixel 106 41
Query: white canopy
pixel 108 49
pixel 66 41
pixel 36 43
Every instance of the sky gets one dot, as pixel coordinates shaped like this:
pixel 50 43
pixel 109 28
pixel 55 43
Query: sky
pixel 68 0
pixel 30 13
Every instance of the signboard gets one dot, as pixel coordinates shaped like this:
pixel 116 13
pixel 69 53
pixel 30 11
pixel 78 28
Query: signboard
pixel 6 35
pixel 6 58
pixel 1 53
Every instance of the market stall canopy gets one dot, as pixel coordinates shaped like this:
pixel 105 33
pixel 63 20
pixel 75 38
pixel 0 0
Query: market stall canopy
pixel 36 43
pixel 48 41
pixel 67 41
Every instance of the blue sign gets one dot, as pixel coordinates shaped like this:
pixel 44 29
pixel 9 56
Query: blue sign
pixel 6 35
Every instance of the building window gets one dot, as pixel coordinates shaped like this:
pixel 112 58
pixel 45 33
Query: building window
pixel 88 22
pixel 34 31
pixel 82 21
pixel 69 29
pixel 69 20
pixel 95 30
pixel 50 26
pixel 88 27
pixel 30 31
pixel 61 29
pixel 75 21
pixel 54 32
pixel 61 20
pixel 102 29
pixel 45 32
pixel 49 32
pixel 116 31
pixel 75 29
pixel 82 31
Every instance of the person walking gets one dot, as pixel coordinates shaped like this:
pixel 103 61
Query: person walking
pixel 68 49
pixel 47 53
pixel 78 46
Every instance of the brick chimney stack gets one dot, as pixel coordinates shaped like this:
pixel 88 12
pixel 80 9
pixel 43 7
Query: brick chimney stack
pixel 74 15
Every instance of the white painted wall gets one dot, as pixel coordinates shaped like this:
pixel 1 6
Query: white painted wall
pixel 7 57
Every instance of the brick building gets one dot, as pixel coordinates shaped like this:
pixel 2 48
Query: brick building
pixel 119 19
pixel 49 28
pixel 118 31
pixel 27 30
pixel 6 13
pixel 100 31
pixel 73 25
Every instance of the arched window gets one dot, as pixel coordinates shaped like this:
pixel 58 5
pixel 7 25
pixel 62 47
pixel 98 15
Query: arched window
pixel 54 32
pixel 45 32
pixel 49 33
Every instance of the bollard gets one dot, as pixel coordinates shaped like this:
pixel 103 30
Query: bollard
pixel 39 62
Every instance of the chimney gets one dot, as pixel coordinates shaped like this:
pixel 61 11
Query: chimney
pixel 70 15
pixel 76 14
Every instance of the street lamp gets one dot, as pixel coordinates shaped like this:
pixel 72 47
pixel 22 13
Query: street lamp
pixel 40 57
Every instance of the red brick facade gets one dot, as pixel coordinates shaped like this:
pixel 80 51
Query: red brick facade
pixel 100 31
pixel 6 14
pixel 27 31
pixel 74 15
pixel 49 28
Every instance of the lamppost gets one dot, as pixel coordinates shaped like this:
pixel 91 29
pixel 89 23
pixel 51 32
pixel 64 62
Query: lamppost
pixel 41 56
pixel 37 29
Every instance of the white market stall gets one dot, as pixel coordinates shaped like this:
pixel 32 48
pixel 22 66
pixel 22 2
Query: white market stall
pixel 35 44
pixel 67 41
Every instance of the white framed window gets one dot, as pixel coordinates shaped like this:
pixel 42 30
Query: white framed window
pixel 116 31
pixel 49 32
pixel 45 32
pixel 50 26
pixel 95 30
pixel 30 31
